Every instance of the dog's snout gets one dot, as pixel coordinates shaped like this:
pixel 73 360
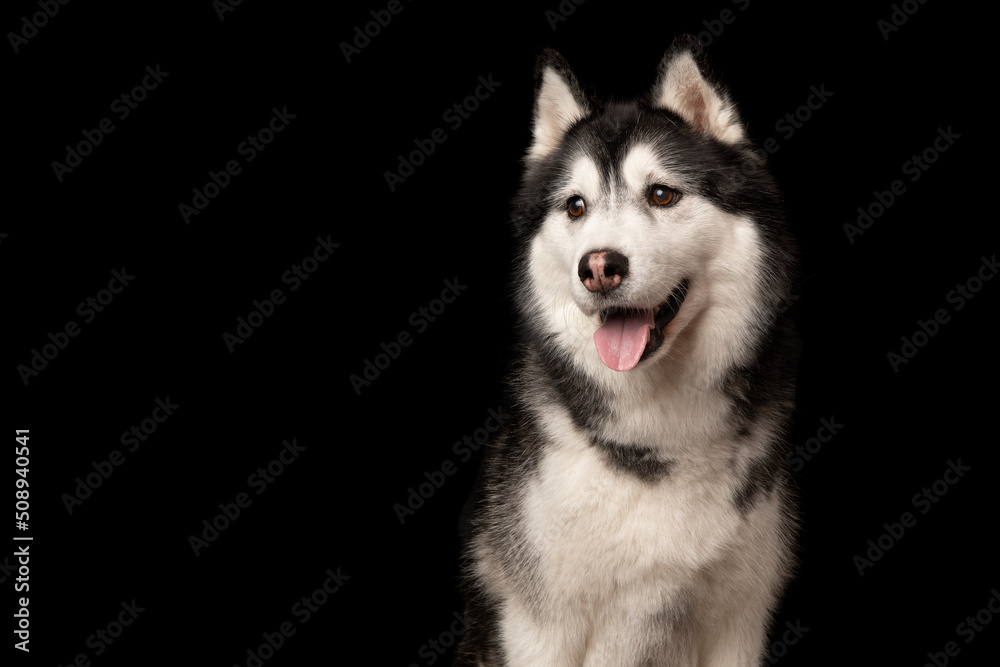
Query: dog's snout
pixel 602 270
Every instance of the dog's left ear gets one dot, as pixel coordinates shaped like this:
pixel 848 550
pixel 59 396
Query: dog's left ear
pixel 686 87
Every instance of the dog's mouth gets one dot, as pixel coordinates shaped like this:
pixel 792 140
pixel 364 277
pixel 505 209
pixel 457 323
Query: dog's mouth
pixel 629 335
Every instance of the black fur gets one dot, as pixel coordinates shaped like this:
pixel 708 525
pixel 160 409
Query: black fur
pixel 637 460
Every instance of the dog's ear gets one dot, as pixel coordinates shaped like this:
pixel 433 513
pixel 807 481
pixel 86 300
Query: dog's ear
pixel 559 103
pixel 686 87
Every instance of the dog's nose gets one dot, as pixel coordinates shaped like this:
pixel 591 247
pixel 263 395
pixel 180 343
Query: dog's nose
pixel 603 270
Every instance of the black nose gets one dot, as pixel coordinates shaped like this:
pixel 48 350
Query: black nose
pixel 602 270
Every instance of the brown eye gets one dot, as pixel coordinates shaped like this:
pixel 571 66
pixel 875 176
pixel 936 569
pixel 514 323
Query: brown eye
pixel 575 206
pixel 661 195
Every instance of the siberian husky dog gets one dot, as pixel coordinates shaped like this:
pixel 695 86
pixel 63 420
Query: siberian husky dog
pixel 636 509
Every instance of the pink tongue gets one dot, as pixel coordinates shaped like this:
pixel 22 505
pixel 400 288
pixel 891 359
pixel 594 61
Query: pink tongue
pixel 622 339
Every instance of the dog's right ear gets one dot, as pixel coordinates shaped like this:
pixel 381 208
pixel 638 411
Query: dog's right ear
pixel 559 103
pixel 686 87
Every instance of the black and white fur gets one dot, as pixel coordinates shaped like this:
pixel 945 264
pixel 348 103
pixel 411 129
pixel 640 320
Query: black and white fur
pixel 639 517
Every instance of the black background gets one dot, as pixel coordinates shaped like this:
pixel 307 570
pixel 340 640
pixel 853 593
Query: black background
pixel 323 177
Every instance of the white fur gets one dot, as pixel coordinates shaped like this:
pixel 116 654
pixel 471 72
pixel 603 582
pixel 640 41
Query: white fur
pixel 686 93
pixel 557 110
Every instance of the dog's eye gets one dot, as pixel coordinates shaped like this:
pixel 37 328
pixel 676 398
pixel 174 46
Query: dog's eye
pixel 575 206
pixel 661 195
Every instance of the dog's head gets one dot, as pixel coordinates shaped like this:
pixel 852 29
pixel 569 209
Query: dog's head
pixel 641 219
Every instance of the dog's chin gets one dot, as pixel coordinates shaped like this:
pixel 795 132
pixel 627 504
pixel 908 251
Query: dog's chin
pixel 620 348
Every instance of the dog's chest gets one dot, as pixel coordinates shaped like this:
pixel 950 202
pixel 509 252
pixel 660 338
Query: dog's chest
pixel 592 523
